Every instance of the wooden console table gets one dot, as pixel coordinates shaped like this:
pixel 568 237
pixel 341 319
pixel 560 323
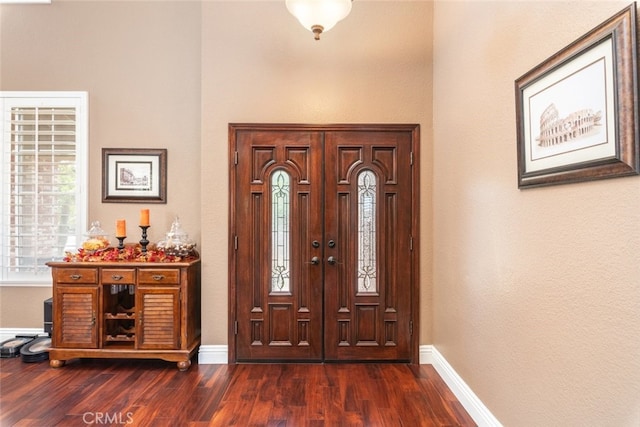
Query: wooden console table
pixel 125 310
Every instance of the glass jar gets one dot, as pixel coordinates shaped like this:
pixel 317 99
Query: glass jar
pixel 176 241
pixel 96 238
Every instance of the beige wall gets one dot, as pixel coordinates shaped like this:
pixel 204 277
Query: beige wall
pixel 536 292
pixel 140 64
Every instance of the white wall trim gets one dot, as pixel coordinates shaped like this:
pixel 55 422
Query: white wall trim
pixel 8 333
pixel 213 355
pixel 426 355
pixel 471 403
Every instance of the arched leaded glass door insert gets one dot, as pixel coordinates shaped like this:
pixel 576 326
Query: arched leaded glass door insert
pixel 367 198
pixel 280 232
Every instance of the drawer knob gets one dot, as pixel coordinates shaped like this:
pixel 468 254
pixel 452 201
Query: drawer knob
pixel 157 277
pixel 117 277
pixel 76 276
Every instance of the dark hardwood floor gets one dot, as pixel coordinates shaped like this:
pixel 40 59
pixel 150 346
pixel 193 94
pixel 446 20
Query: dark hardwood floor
pixel 154 393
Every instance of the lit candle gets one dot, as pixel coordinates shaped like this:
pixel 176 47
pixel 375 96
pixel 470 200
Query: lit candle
pixel 144 217
pixel 121 228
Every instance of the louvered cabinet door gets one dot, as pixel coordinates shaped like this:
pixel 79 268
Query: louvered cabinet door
pixel 75 324
pixel 158 317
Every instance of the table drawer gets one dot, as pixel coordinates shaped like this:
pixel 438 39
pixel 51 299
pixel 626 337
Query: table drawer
pixel 76 275
pixel 119 275
pixel 158 276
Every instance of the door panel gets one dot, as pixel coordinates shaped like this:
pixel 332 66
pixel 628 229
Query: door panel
pixel 279 291
pixel 368 216
pixel 322 222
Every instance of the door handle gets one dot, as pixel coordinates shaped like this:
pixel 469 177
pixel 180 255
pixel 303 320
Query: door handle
pixel 315 260
pixel 331 260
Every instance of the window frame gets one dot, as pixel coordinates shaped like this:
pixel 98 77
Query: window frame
pixel 77 99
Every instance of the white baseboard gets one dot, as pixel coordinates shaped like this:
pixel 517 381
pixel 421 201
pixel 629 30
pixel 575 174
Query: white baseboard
pixel 8 333
pixel 213 355
pixel 471 403
pixel 426 355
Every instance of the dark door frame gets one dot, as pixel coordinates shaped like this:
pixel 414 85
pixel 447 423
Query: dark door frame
pixel 415 215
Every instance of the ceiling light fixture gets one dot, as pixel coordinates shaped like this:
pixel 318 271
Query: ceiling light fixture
pixel 319 16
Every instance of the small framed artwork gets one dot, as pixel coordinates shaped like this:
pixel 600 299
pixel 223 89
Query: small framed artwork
pixel 577 112
pixel 134 175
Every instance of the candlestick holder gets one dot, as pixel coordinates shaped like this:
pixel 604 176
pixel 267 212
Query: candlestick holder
pixel 121 242
pixel 144 242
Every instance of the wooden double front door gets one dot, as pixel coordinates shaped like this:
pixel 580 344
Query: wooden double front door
pixel 323 242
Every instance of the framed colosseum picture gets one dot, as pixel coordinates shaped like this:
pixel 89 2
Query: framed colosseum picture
pixel 577 112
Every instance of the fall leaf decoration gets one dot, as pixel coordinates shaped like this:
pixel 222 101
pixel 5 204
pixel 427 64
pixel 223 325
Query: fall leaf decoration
pixel 128 254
